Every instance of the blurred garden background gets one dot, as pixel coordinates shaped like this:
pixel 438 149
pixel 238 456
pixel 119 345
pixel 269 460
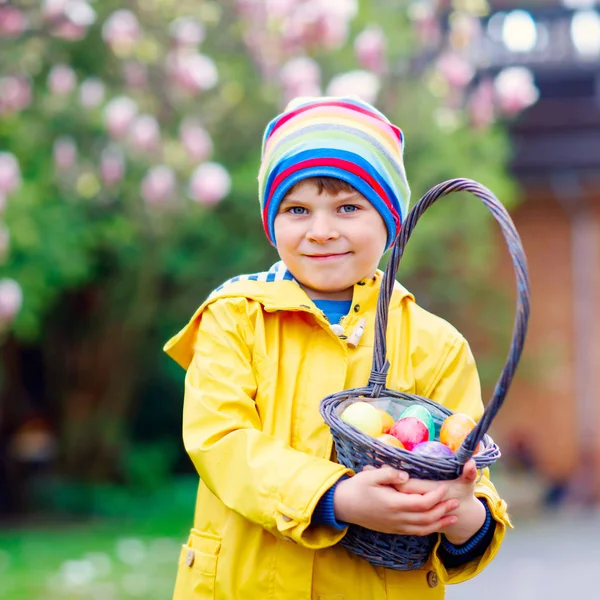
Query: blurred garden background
pixel 130 137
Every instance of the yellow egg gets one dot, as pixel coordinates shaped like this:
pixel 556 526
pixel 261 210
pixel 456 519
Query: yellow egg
pixel 365 417
pixel 387 420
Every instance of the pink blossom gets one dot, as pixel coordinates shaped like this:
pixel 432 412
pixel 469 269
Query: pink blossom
pixel 52 10
pixel 195 140
pixel 71 18
pixel 121 32
pixel 369 47
pixel 11 300
pixel 80 13
pixel 119 114
pixel 91 92
pixel 10 173
pixel 333 32
pixel 13 21
pixel 15 94
pixel 248 8
pixel 187 32
pixel 278 9
pixel 344 10
pixel 262 51
pixel 144 133
pixel 515 90
pixel 301 28
pixel 209 184
pixel 480 105
pixel 64 153
pixel 112 165
pixel 301 76
pixel 192 72
pixel 158 186
pixel 67 30
pixel 426 24
pixel 61 80
pixel 364 84
pixel 136 74
pixel 455 69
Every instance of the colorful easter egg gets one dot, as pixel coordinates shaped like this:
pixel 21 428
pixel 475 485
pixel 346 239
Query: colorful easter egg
pixel 390 440
pixel 420 412
pixel 386 420
pixel 432 449
pixel 455 429
pixel 410 431
pixel 365 417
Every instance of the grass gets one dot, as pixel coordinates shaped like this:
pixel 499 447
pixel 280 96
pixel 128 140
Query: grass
pixel 101 559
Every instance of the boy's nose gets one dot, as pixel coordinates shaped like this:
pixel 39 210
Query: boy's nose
pixel 322 229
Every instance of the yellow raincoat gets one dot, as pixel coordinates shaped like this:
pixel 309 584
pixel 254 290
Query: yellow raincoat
pixel 260 357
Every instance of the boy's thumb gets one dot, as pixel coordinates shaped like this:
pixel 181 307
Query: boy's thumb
pixel 470 470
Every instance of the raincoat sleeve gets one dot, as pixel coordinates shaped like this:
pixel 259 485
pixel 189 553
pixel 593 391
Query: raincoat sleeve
pixel 456 385
pixel 260 477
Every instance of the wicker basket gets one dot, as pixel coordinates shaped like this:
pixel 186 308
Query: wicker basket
pixel 356 449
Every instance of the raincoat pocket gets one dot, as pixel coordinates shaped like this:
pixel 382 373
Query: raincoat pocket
pixel 197 567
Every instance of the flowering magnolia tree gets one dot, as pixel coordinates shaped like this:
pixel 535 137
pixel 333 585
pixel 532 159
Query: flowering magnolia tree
pixel 129 146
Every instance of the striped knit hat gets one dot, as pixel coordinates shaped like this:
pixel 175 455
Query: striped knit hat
pixel 344 138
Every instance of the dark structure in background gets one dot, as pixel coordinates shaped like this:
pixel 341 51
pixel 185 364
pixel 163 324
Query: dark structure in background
pixel 555 414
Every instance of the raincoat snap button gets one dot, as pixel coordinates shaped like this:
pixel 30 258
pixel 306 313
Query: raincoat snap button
pixel 189 559
pixel 356 307
pixel 286 518
pixel 432 579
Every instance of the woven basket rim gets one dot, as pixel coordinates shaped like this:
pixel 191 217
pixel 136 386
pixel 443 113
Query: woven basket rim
pixel 330 403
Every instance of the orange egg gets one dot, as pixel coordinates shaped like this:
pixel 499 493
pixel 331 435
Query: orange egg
pixel 386 420
pixel 455 429
pixel 390 440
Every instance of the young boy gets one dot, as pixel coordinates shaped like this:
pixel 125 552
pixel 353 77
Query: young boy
pixel 265 349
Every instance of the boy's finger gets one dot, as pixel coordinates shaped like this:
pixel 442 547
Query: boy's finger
pixel 423 502
pixel 419 486
pixel 389 476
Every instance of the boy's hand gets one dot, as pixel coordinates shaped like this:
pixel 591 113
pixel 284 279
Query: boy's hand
pixel 470 513
pixel 375 499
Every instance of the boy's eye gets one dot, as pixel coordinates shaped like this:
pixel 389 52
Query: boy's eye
pixel 296 210
pixel 348 208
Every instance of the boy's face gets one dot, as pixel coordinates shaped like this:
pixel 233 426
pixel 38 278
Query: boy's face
pixel 329 243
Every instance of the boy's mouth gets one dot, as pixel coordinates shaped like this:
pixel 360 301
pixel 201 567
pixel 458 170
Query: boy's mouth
pixel 330 256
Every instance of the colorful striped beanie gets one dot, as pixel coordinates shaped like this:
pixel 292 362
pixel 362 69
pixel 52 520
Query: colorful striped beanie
pixel 344 138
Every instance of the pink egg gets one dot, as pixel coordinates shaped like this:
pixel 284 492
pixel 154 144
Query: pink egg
pixel 410 431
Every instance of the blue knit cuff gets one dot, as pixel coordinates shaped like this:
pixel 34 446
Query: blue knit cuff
pixel 476 545
pixel 324 513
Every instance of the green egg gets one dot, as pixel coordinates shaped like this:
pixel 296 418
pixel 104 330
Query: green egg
pixel 421 413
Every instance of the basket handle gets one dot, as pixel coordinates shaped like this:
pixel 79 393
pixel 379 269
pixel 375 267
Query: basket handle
pixel 378 377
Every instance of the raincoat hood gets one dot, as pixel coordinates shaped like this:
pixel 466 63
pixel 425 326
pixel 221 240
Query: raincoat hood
pixel 275 290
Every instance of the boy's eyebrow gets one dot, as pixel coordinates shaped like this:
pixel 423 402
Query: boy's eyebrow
pixel 289 200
